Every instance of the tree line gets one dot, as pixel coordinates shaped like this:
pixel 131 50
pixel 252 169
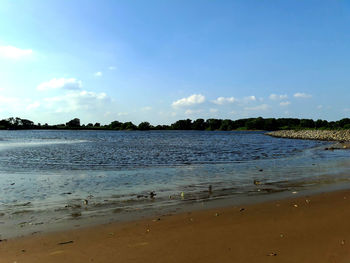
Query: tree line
pixel 268 124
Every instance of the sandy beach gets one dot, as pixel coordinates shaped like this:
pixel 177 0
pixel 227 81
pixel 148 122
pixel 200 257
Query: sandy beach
pixel 302 229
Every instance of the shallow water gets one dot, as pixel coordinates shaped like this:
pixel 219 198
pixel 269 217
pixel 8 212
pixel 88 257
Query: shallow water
pixel 65 177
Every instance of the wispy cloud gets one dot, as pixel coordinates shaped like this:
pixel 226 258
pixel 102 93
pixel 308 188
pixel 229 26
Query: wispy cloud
pixel 147 108
pixel 192 112
pixel 223 100
pixel 189 101
pixel 61 83
pixel 278 97
pixel 77 100
pixel 249 98
pixel 33 105
pixel 300 95
pixel 98 74
pixel 262 107
pixel 112 68
pixel 284 103
pixel 12 52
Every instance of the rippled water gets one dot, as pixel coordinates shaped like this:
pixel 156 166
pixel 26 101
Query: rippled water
pixel 55 176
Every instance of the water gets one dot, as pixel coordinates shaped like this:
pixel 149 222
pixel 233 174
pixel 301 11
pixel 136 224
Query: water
pixel 65 178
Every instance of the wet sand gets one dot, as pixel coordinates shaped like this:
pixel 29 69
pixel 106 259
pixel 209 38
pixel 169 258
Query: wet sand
pixel 303 229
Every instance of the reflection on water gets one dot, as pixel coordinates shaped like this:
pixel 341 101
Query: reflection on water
pixel 51 177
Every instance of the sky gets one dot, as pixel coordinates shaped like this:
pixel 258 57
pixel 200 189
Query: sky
pixel 161 61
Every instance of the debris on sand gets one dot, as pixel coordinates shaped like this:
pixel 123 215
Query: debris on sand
pixel 152 194
pixel 256 182
pixel 66 242
pixel 272 254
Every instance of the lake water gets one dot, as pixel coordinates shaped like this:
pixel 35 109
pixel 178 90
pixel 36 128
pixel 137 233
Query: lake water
pixel 66 178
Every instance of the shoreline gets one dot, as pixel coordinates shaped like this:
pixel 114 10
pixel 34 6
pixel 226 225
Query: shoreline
pixel 311 228
pixel 341 136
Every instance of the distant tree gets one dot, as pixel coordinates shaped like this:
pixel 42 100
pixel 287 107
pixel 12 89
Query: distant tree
pixel 255 124
pixel 144 126
pixel 97 124
pixel 5 124
pixel 128 126
pixel 213 124
pixel 182 125
pixel 226 125
pixel 115 125
pixel 90 125
pixel 270 124
pixel 198 124
pixel 307 123
pixel 27 123
pixel 343 122
pixel 75 123
pixel 162 127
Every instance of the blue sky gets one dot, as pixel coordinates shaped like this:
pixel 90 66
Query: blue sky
pixel 161 61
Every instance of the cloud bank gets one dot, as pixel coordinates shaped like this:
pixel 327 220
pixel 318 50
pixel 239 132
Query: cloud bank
pixel 223 100
pixel 189 101
pixel 300 95
pixel 12 52
pixel 61 83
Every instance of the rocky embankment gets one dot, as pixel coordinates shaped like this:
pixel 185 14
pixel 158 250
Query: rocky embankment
pixel 322 135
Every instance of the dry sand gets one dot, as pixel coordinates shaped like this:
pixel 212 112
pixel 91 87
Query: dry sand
pixel 305 229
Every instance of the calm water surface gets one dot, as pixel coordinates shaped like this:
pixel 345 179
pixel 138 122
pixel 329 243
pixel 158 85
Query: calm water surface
pixel 65 177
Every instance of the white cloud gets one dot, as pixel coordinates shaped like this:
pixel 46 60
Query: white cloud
pixel 320 107
pixel 112 68
pixel 12 52
pixel 122 114
pixel 213 110
pixel 61 83
pixel 262 107
pixel 223 100
pixel 191 112
pixel 33 105
pixel 250 98
pixel 278 97
pixel 189 101
pixel 300 95
pixel 98 74
pixel 147 108
pixel 77 100
pixel 284 103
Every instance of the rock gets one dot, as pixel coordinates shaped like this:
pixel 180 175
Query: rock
pixel 341 136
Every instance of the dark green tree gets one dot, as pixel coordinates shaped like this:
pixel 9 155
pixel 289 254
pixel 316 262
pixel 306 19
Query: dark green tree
pixel 144 126
pixel 75 123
